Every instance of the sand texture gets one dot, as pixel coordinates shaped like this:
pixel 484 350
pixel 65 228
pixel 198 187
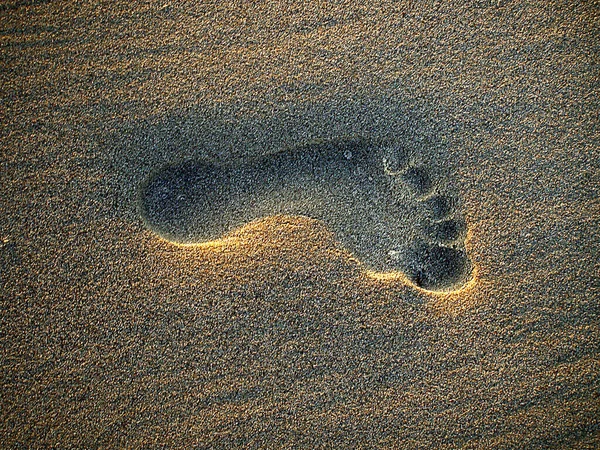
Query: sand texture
pixel 206 241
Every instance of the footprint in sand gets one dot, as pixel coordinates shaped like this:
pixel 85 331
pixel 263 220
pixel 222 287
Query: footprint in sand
pixel 381 204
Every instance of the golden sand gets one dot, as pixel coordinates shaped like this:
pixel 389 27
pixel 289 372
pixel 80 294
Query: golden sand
pixel 275 336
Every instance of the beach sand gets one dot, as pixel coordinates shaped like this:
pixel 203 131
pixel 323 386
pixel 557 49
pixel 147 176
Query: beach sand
pixel 276 335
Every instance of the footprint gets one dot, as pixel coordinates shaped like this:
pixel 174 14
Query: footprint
pixel 436 267
pixel 438 207
pixel 444 231
pixel 418 181
pixel 371 195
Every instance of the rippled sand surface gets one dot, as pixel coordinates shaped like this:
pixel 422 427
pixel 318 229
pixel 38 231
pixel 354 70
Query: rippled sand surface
pixel 276 335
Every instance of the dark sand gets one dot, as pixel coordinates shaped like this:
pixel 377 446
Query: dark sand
pixel 277 337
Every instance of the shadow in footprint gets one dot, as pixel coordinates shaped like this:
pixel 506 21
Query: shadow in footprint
pixel 346 183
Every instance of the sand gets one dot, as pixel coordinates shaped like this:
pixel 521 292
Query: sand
pixel 277 336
